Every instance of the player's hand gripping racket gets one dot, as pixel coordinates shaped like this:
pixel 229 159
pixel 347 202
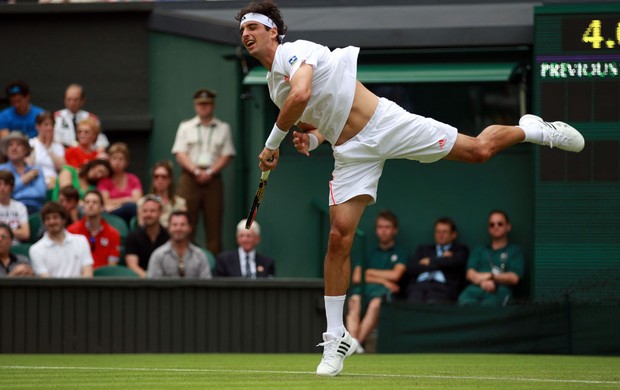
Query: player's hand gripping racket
pixel 257 198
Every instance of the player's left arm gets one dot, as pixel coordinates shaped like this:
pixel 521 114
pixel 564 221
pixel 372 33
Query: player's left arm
pixel 291 111
pixel 308 139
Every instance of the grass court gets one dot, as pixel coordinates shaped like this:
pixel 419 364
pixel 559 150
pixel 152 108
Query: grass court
pixel 296 371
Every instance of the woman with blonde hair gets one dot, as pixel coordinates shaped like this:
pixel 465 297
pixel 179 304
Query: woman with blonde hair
pixel 86 150
pixel 162 185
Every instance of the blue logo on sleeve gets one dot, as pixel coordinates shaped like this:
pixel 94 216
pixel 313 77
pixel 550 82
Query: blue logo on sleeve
pixel 292 60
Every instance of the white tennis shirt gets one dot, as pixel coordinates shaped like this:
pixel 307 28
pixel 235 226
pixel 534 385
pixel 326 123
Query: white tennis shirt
pixel 333 84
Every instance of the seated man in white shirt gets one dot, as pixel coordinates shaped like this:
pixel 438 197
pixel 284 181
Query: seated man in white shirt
pixel 13 212
pixel 60 254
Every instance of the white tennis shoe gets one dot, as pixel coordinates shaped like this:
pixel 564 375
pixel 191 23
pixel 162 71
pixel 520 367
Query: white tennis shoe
pixel 335 350
pixel 556 134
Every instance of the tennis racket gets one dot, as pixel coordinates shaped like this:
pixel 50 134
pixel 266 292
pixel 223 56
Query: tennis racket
pixel 257 198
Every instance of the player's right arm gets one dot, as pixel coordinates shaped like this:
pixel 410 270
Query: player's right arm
pixel 291 111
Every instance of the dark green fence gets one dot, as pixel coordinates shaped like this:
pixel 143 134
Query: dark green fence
pixel 150 316
pixel 546 328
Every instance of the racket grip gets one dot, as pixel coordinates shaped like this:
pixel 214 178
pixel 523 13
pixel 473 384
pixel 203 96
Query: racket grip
pixel 264 175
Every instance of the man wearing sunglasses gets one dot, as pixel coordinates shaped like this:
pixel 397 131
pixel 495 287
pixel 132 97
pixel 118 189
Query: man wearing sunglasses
pixel 493 270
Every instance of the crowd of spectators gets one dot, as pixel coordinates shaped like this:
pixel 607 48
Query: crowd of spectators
pixel 73 205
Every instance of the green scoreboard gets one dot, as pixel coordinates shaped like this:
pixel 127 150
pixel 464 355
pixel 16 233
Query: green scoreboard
pixel 576 79
pixel 577 62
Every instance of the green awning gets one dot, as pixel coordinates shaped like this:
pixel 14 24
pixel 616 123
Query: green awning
pixel 416 73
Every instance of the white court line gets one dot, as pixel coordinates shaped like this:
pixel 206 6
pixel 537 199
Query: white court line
pixel 413 376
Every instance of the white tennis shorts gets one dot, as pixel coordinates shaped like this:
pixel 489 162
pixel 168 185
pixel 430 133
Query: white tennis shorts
pixel 391 133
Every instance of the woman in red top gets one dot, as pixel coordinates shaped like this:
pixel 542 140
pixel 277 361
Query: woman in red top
pixel 85 151
pixel 122 189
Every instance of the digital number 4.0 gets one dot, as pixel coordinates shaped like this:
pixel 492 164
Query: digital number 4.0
pixel 593 36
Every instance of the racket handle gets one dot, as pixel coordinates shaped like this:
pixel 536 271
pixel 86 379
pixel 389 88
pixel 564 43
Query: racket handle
pixel 264 175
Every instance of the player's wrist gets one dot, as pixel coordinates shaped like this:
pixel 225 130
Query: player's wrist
pixel 313 142
pixel 275 138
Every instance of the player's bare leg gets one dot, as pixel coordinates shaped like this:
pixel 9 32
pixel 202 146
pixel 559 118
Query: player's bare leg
pixel 487 144
pixel 337 342
pixel 344 219
pixel 496 138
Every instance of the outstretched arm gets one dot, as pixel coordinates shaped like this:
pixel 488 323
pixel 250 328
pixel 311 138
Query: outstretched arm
pixel 293 108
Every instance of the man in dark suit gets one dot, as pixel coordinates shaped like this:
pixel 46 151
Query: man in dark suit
pixel 436 272
pixel 245 261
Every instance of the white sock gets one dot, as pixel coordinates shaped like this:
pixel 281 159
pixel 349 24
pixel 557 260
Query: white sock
pixel 334 310
pixel 533 133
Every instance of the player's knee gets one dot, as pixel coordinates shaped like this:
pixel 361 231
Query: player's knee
pixel 339 241
pixel 482 152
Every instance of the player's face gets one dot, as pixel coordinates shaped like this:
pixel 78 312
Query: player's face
pixel 385 231
pixel 54 224
pixel 444 234
pixel 498 226
pixel 247 240
pixel 255 37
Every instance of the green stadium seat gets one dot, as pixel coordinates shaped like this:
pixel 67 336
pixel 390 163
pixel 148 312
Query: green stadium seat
pixel 21 249
pixel 114 271
pixel 36 227
pixel 119 224
pixel 210 257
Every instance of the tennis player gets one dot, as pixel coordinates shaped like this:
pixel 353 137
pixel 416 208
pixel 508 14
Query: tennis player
pixel 317 90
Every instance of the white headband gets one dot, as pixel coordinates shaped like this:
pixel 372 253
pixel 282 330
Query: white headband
pixel 260 18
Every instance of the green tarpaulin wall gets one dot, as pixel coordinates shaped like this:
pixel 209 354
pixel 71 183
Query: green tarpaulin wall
pixel 549 329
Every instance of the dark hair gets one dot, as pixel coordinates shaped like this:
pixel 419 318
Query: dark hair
pixel 447 221
pixel 17 88
pixel 267 8
pixel 70 192
pixel 93 163
pixel 53 208
pixel 502 212
pixel 8 178
pixel 42 116
pixel 7 228
pixel 95 192
pixel 177 213
pixel 388 215
pixel 167 165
